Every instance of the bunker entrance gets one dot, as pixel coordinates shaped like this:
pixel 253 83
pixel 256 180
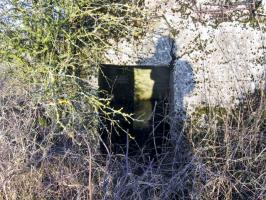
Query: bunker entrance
pixel 143 93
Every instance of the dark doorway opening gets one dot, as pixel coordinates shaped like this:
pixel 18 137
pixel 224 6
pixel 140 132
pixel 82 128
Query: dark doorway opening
pixel 142 92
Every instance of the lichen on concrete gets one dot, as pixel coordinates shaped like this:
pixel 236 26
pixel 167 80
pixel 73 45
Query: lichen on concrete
pixel 215 65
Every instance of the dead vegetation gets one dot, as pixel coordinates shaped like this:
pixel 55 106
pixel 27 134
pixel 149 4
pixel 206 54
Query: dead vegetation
pixel 224 158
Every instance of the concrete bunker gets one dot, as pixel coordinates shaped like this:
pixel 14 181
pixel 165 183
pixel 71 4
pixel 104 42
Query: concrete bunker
pixel 144 93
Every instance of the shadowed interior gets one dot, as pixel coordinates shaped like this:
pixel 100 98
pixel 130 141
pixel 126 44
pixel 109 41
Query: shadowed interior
pixel 142 92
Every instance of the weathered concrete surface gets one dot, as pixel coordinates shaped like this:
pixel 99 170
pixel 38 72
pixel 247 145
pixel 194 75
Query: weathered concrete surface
pixel 3 69
pixel 214 64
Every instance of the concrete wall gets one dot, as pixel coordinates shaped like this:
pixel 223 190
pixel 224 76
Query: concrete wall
pixel 215 61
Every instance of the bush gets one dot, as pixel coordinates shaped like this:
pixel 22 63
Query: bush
pixel 51 51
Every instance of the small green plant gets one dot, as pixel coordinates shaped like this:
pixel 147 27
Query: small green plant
pixel 57 46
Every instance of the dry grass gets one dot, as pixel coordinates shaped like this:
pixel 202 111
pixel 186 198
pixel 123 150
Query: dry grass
pixel 224 158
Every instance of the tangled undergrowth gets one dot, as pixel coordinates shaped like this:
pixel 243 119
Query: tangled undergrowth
pixel 225 158
pixel 49 144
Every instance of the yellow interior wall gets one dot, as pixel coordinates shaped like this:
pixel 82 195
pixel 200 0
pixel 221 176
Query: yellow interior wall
pixel 143 84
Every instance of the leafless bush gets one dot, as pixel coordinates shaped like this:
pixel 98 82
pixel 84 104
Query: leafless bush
pixel 230 151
